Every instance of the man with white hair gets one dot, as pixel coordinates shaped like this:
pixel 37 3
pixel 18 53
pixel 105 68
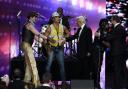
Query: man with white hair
pixel 84 45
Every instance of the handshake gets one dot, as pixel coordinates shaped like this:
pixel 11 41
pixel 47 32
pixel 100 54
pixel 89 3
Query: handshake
pixel 42 36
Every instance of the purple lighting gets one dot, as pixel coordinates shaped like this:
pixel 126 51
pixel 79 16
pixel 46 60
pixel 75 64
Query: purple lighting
pixel 72 8
pixel 81 3
pixel 74 2
pixel 89 5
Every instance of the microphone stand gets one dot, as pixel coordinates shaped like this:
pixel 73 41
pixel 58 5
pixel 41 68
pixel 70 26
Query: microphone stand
pixel 19 31
pixel 10 39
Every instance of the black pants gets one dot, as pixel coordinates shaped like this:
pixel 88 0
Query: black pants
pixel 119 71
pixel 86 68
pixel 97 58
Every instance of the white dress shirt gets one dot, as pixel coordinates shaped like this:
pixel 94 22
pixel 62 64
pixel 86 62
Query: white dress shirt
pixel 81 30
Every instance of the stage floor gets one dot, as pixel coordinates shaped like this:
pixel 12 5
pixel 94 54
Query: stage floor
pixel 72 68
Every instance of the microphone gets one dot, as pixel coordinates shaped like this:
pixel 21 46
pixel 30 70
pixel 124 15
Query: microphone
pixel 18 14
pixel 41 16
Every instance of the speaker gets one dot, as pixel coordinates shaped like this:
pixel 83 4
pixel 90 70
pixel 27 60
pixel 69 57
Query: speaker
pixel 16 63
pixel 82 84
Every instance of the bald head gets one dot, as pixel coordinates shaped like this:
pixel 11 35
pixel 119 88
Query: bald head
pixel 60 11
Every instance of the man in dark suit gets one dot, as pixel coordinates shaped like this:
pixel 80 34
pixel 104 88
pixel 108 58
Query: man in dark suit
pixel 84 45
pixel 117 49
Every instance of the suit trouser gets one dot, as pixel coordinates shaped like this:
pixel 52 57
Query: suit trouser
pixel 86 68
pixel 31 69
pixel 119 71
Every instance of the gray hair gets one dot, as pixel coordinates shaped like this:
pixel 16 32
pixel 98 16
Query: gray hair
pixel 81 19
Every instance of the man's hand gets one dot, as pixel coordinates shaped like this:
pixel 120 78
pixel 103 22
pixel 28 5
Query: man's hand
pixel 97 34
pixel 107 44
pixel 62 41
pixel 51 40
pixel 88 54
pixel 127 40
pixel 42 36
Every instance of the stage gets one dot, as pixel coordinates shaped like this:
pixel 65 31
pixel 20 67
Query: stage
pixel 72 68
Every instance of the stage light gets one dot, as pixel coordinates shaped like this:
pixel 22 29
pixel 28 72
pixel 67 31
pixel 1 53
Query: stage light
pixel 14 52
pixel 88 5
pixel 109 5
pixel 110 2
pixel 74 2
pixel 121 14
pixel 108 9
pixel 125 18
pixel 99 9
pixel 106 2
pixel 125 4
pixel 102 10
pixel 81 3
pixel 115 10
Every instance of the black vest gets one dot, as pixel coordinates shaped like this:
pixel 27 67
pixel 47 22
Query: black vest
pixel 27 35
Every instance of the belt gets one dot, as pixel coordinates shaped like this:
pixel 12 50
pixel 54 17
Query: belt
pixel 56 46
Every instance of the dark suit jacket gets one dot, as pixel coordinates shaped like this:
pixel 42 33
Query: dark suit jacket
pixel 117 40
pixel 84 44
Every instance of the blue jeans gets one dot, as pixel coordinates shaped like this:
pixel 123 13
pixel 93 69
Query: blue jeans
pixel 57 52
